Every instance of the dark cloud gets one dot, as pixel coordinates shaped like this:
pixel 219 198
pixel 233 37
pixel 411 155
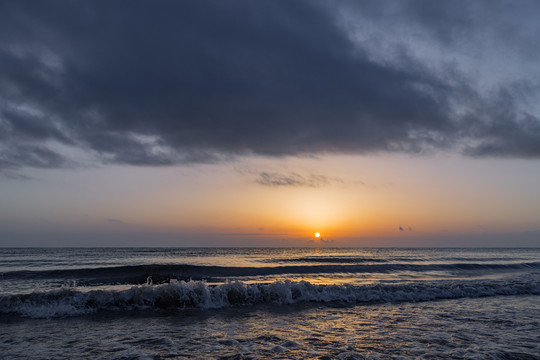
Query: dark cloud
pixel 163 83
pixel 29 155
pixel 291 179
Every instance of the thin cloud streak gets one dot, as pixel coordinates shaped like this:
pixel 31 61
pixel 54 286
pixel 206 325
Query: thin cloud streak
pixel 114 221
pixel 291 179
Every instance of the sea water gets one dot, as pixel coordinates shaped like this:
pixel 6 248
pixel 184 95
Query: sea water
pixel 240 303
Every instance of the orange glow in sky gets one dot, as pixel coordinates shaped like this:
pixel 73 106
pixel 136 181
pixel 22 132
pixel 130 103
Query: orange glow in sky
pixel 359 202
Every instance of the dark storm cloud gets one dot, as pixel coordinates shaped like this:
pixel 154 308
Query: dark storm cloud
pixel 161 83
pixel 34 156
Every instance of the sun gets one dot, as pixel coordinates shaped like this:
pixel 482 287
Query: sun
pixel 317 235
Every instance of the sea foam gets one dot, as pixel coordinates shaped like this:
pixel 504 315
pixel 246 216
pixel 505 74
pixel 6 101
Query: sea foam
pixel 70 301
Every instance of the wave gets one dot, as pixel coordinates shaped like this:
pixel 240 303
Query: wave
pixel 163 273
pixel 176 294
pixel 327 259
pixel 360 260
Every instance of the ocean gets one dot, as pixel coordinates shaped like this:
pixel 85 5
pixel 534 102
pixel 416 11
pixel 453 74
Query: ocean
pixel 266 303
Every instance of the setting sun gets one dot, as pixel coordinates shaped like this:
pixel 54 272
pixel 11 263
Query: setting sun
pixel 317 235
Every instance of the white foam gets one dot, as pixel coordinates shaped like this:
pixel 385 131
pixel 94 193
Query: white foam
pixel 194 294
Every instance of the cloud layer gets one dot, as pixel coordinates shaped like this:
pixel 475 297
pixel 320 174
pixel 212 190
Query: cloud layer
pixel 180 82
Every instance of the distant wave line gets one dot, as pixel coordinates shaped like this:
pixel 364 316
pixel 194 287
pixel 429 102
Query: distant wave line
pixel 137 274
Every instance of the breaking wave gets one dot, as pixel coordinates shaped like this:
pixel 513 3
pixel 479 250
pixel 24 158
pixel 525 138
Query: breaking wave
pixel 180 295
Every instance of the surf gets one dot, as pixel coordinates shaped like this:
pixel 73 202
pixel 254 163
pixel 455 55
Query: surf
pixel 181 295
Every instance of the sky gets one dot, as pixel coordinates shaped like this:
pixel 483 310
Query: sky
pixel 259 123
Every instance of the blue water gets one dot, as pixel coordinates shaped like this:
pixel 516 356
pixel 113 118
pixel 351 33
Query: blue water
pixel 269 303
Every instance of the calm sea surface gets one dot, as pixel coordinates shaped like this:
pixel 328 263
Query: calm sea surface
pixel 232 303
